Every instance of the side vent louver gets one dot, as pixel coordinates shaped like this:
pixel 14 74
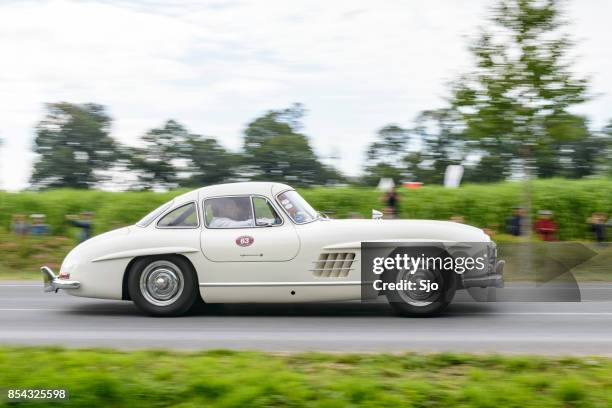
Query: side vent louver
pixel 334 265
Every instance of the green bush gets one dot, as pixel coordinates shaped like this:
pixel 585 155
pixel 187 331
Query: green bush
pixel 112 210
pixel 483 205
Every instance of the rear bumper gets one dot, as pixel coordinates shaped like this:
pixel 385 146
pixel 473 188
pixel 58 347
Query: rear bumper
pixel 52 283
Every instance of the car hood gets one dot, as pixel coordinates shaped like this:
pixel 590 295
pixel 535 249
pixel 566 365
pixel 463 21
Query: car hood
pixel 352 232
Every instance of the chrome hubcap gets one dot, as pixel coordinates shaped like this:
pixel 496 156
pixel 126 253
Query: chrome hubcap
pixel 418 297
pixel 161 283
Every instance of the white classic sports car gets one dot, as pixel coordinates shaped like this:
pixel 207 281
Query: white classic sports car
pixel 256 242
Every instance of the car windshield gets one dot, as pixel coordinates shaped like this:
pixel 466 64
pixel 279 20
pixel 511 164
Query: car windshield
pixel 146 220
pixel 296 207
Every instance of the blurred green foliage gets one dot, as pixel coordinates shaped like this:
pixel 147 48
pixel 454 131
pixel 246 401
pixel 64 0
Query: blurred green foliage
pixel 223 378
pixel 22 257
pixel 111 210
pixel 76 150
pixel 511 113
pixel 276 150
pixel 73 143
pixel 482 205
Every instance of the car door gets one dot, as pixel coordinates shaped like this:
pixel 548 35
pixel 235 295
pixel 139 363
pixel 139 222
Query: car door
pixel 247 228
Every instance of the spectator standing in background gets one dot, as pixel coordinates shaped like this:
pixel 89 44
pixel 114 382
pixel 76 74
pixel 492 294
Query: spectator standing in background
pixel 39 226
pixel 20 225
pixel 391 200
pixel 84 221
pixel 515 222
pixel 598 226
pixel 545 226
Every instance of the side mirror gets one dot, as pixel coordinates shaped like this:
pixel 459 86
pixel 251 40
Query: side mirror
pixel 376 215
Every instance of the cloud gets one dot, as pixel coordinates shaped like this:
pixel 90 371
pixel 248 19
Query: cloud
pixel 216 65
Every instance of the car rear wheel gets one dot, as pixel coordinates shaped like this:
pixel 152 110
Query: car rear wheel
pixel 421 302
pixel 163 285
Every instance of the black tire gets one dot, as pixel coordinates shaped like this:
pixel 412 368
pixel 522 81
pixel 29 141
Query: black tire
pixel 404 304
pixel 164 285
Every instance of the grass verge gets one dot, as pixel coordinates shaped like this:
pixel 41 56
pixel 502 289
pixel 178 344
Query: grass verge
pixel 238 379
pixel 22 257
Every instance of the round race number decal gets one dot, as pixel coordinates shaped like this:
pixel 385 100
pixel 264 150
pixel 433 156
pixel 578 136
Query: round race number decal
pixel 244 241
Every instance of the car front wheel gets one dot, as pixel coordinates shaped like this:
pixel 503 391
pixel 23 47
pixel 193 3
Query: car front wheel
pixel 420 301
pixel 163 285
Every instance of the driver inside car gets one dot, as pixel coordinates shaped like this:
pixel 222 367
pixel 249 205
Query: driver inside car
pixel 231 213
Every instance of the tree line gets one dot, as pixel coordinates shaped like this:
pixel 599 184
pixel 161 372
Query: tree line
pixel 511 115
pixel 75 149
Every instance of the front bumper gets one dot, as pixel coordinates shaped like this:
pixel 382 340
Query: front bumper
pixel 494 279
pixel 53 283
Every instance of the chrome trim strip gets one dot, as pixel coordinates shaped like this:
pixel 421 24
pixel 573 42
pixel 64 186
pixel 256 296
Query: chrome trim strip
pixel 276 284
pixel 146 252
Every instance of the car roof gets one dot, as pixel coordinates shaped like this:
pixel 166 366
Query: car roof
pixel 251 187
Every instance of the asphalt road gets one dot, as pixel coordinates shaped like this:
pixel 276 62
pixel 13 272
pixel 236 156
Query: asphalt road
pixel 30 317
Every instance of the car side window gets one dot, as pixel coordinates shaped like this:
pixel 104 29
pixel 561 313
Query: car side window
pixel 265 215
pixel 228 212
pixel 154 214
pixel 183 217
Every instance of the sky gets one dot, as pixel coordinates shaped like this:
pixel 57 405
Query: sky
pixel 214 66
